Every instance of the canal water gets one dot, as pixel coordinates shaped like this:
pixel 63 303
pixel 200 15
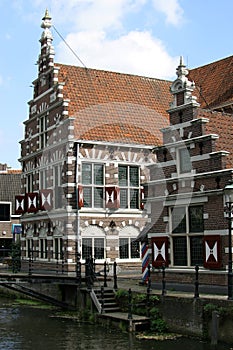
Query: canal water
pixel 30 328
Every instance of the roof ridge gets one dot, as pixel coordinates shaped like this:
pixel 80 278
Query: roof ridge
pixel 111 71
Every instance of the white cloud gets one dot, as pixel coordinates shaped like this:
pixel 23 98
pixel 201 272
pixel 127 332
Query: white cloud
pixel 103 34
pixel 136 52
pixel 171 9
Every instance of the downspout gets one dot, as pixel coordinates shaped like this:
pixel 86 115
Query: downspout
pixel 77 216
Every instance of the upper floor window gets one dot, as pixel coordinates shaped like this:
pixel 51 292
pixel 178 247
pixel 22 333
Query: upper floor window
pixel 185 165
pixel 5 211
pixel 128 177
pixel 93 185
pixel 43 179
pixel 43 131
pixel 58 194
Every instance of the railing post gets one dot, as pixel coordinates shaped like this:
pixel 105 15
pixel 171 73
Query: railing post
pixel 130 316
pixel 196 293
pixel 105 274
pixel 115 274
pixel 148 300
pixel 87 273
pixel 30 262
pixel 163 281
pixel 78 269
pixel 149 278
pixel 102 299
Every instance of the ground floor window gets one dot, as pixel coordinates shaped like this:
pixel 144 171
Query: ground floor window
pixel 129 248
pixel 58 248
pixel 188 250
pixel 43 248
pixel 187 227
pixel 93 248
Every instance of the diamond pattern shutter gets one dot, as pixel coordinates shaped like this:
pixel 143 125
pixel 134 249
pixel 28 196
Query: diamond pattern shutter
pixel 32 202
pixel 20 204
pixel 212 255
pixel 80 197
pixel 46 200
pixel 159 251
pixel 112 195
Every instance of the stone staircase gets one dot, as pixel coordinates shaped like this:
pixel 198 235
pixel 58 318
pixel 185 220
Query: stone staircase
pixel 104 300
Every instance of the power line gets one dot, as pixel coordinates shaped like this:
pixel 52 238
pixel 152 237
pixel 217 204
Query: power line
pixel 74 53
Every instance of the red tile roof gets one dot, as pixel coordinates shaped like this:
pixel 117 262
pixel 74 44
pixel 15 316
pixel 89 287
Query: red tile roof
pixel 220 124
pixel 116 107
pixel 214 81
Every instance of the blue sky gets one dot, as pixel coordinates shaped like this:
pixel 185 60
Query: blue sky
pixel 144 37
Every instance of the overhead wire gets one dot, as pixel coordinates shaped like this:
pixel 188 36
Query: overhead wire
pixel 70 48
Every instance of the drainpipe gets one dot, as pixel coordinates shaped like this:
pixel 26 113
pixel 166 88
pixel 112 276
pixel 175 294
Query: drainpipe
pixel 77 216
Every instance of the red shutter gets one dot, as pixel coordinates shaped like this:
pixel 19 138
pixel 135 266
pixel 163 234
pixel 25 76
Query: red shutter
pixel 142 196
pixel 46 199
pixel 20 204
pixel 80 197
pixel 212 255
pixel 32 202
pixel 159 251
pixel 112 195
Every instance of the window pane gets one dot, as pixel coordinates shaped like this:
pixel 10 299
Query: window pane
pixel 178 220
pixel 122 175
pixel 134 249
pixel 123 198
pixel 124 248
pixel 196 246
pixel 86 174
pixel 98 197
pixel 180 251
pixel 86 248
pixel 87 197
pixel 4 212
pixel 99 248
pixel 98 174
pixel 56 254
pixel 134 195
pixel 196 222
pixel 185 161
pixel 134 178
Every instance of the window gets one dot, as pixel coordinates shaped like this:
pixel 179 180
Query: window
pixel 30 183
pixel 129 186
pixel 58 248
pixel 43 132
pixel 43 179
pixel 129 248
pixel 185 165
pixel 58 189
pixel 5 212
pixel 93 185
pixel 93 248
pixel 187 226
pixel 43 248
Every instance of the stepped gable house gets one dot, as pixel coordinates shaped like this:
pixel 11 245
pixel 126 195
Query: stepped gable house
pixel 88 140
pixel 97 142
pixel 185 191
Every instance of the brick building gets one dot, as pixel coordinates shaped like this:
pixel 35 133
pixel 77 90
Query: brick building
pixel 88 140
pixel 96 140
pixel 188 226
pixel 10 184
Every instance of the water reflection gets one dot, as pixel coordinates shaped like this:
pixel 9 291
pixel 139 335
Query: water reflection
pixel 26 328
